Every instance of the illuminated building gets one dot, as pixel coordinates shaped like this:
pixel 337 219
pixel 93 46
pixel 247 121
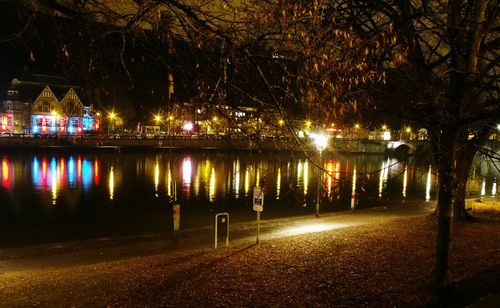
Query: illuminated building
pixel 67 116
pixel 32 106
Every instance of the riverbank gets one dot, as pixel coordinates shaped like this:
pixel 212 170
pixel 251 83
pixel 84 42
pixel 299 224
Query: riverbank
pixel 134 143
pixel 377 258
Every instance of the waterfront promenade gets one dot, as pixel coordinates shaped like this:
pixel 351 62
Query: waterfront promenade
pixel 375 258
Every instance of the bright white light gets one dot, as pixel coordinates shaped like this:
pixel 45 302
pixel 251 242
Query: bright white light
pixel 188 126
pixel 393 144
pixel 310 228
pixel 386 135
pixel 428 185
pixel 321 142
pixel 111 183
pixel 300 134
pixel 405 181
pixel 187 168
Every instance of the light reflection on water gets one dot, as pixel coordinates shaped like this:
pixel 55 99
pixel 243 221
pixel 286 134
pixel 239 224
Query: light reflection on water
pixel 135 187
pixel 428 185
pixel 216 178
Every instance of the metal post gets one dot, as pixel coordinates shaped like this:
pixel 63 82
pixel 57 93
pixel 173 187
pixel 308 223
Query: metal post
pixel 258 226
pixel 319 185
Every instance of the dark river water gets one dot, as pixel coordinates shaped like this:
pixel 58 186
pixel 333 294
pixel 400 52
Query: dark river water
pixel 60 197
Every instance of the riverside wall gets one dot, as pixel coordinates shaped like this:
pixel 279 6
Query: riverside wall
pixel 123 143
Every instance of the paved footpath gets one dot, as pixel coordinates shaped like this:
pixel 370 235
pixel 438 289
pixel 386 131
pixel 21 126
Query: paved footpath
pixel 111 249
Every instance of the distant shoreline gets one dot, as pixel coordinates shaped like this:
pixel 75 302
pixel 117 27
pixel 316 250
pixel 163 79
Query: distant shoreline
pixel 128 144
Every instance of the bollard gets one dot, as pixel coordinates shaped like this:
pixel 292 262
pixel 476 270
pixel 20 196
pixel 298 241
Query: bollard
pixel 223 216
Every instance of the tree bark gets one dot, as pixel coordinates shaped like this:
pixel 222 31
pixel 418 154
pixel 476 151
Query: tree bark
pixel 446 182
pixel 466 152
pixel 465 158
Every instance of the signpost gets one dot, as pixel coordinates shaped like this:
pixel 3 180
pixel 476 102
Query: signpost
pixel 258 206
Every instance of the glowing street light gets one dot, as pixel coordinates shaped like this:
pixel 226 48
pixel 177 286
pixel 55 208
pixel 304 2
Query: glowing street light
pixel 356 126
pixel 321 142
pixel 157 119
pixel 111 117
pixel 386 134
pixel 188 126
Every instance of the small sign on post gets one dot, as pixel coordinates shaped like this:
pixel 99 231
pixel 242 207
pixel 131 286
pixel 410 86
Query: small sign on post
pixel 258 206
pixel 258 199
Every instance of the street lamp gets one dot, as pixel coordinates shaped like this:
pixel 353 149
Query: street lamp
pixel 111 117
pixel 169 123
pixel 279 129
pixel 386 134
pixel 408 132
pixel 321 142
pixel 157 119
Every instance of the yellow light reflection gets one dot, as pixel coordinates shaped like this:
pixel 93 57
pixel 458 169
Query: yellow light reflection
pixel 405 181
pixel 236 178
pixel 211 186
pixel 62 169
pixel 353 189
pixel 157 177
pixel 111 183
pixel 53 179
pixel 329 177
pixel 483 187
pixel 168 181
pixel 206 173
pixel 383 178
pixel 306 177
pixel 247 181
pixel 79 168
pixel 197 179
pixel 428 185
pixel 5 170
pixel 278 184
pixel 299 171
pixel 257 178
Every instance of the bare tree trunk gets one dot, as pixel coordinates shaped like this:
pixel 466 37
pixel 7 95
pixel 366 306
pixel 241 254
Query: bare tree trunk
pixel 465 158
pixel 446 173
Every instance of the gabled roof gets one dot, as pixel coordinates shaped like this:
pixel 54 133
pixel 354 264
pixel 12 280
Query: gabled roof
pixel 27 87
pixel 46 93
pixel 71 95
